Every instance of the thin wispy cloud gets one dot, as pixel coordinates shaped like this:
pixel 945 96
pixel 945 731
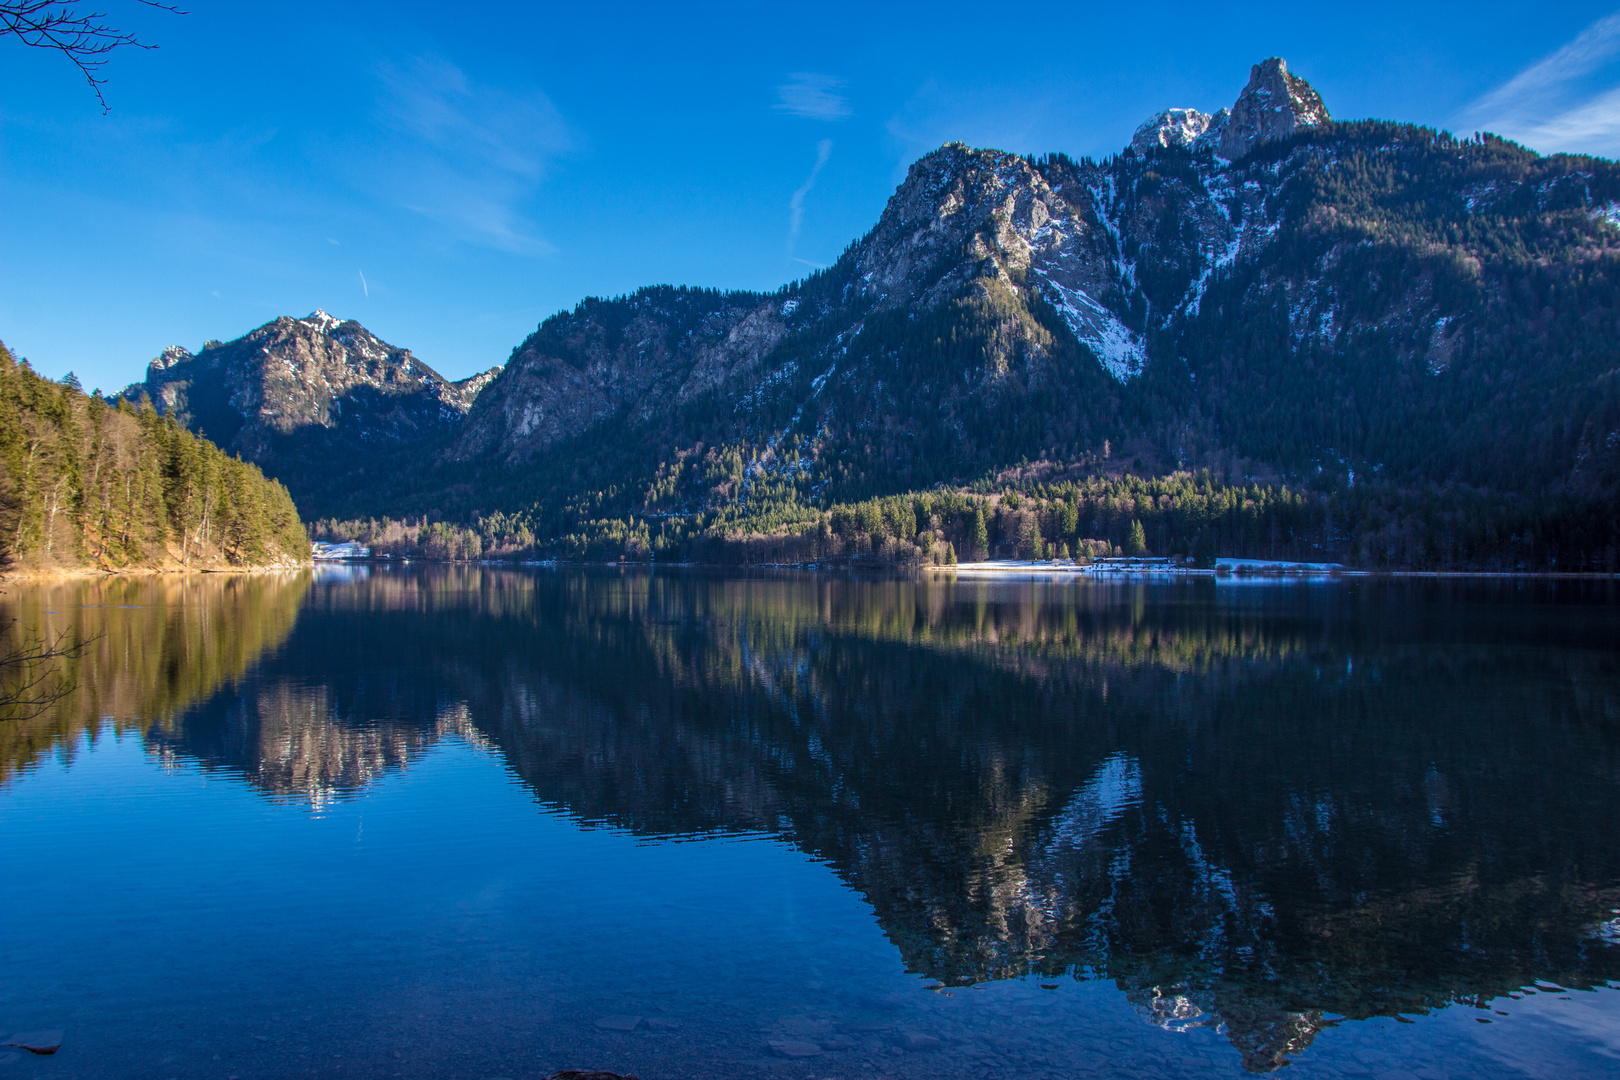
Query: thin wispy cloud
pixel 363 286
pixel 814 97
pixel 470 156
pixel 1568 101
pixel 796 204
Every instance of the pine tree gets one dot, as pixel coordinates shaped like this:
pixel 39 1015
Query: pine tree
pixel 1137 543
pixel 980 543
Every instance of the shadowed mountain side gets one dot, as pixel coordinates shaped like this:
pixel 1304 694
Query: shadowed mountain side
pixel 1341 808
pixel 320 403
pixel 155 646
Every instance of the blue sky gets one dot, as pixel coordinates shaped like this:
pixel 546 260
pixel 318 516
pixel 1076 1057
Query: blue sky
pixel 452 180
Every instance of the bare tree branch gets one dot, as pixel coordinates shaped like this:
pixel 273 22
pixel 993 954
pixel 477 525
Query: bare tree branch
pixel 82 37
pixel 31 678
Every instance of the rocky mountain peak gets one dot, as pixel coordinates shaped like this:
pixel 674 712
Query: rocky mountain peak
pixel 1275 104
pixel 169 357
pixel 321 321
pixel 302 396
pixel 1174 127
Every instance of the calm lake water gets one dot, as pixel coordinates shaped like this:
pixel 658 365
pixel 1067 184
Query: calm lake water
pixel 476 822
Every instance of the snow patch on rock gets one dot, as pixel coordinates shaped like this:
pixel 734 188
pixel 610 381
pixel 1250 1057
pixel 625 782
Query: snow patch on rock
pixel 1119 350
pixel 1172 127
pixel 321 321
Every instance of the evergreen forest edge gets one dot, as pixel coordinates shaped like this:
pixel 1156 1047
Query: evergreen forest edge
pixel 88 483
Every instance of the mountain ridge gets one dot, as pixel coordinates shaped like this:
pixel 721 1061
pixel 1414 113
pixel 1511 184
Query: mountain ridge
pixel 1265 292
pixel 302 397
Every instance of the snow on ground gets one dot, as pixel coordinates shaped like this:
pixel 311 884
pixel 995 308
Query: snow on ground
pixel 1120 351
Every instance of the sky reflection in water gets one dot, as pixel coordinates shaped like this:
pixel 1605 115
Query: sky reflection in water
pixel 478 822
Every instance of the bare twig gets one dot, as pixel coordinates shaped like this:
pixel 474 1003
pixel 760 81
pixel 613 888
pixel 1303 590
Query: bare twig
pixel 31 680
pixel 82 37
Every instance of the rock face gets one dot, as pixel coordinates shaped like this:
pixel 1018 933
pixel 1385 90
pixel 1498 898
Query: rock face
pixel 303 395
pixel 1174 127
pixel 1275 104
pixel 294 374
pixel 660 347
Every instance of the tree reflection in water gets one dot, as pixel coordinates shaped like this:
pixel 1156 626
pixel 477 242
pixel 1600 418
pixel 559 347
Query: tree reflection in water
pixel 1262 808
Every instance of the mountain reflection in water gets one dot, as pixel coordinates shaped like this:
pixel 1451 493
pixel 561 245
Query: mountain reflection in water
pixel 1264 808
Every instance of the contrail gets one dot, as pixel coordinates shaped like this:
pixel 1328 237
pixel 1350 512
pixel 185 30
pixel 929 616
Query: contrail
pixel 363 285
pixel 796 204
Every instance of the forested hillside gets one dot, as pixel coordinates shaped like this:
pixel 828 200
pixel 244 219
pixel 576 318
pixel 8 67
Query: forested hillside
pixel 89 483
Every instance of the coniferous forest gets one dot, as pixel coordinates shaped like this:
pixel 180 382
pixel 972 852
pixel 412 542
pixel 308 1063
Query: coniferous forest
pixel 92 484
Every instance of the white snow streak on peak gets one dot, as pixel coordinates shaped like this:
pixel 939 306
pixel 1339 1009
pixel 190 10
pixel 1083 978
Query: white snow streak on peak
pixel 1609 212
pixel 1120 351
pixel 321 321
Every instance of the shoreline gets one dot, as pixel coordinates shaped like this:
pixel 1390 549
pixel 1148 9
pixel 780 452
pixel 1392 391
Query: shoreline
pixel 999 568
pixel 985 570
pixel 79 573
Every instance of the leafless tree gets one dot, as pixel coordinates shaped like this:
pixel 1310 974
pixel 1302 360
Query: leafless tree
pixel 31 678
pixel 82 36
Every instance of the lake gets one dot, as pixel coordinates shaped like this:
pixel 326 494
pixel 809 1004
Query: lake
pixel 478 822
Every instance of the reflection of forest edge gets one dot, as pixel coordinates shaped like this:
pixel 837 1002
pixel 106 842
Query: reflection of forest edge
pixel 153 646
pixel 1256 809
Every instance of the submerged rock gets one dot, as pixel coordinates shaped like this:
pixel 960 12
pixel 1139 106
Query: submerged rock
pixel 619 1023
pixel 795 1048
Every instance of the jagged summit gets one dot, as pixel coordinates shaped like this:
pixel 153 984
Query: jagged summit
pixel 321 321
pixel 169 357
pixel 1174 127
pixel 1275 104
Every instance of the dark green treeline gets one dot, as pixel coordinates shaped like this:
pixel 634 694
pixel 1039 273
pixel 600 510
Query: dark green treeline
pixel 1369 525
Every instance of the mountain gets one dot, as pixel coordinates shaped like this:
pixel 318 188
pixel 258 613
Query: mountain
pixel 315 401
pixel 1415 333
pixel 1274 105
